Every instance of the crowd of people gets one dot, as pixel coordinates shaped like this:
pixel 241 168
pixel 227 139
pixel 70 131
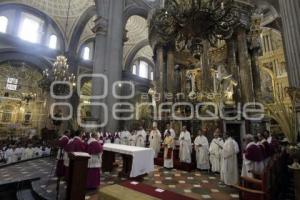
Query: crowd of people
pixel 12 151
pixel 220 155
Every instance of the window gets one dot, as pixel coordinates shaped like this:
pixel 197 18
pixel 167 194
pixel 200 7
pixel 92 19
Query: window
pixel 86 53
pixel 3 24
pixel 52 42
pixel 30 28
pixel 143 71
pixel 134 69
pixel 12 84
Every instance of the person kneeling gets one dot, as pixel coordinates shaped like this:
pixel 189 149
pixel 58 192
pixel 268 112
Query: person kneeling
pixel 168 150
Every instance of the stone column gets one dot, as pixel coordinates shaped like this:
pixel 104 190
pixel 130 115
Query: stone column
pixel 100 29
pixel 256 74
pixel 108 55
pixel 290 15
pixel 170 71
pixel 159 69
pixel 206 73
pixel 245 72
pixel 232 65
pixel 177 80
pixel 289 11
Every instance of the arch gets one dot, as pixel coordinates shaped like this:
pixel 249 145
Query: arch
pixel 12 54
pixel 134 10
pixel 38 13
pixel 79 27
pixel 134 51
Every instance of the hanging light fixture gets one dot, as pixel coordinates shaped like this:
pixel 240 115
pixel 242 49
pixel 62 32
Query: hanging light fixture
pixel 60 70
pixel 189 22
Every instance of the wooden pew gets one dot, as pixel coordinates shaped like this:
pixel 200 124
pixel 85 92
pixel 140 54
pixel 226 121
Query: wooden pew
pixel 266 186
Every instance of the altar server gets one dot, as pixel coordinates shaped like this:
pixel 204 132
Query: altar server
pixel 75 144
pixel 201 148
pixel 141 136
pixel 62 142
pixel 132 139
pixel 125 137
pixel 168 150
pixel 171 130
pixel 229 171
pixel 215 151
pixel 94 148
pixel 185 149
pixel 155 140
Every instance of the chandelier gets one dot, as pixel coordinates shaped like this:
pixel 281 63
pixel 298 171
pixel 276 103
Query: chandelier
pixel 190 22
pixel 60 71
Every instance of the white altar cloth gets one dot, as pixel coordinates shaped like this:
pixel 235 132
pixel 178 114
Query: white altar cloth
pixel 142 158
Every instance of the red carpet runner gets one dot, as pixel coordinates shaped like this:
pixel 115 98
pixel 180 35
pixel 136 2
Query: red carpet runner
pixel 151 191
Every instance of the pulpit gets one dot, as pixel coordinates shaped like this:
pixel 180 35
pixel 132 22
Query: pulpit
pixel 77 176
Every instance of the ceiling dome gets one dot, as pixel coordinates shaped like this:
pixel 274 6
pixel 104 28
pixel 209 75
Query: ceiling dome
pixel 59 8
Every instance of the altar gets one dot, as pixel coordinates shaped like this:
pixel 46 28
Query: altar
pixel 137 161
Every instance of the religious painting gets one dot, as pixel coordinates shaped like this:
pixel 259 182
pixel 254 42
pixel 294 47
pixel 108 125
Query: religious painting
pixel 267 86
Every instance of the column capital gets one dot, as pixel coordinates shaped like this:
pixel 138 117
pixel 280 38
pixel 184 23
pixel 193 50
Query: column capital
pixel 101 25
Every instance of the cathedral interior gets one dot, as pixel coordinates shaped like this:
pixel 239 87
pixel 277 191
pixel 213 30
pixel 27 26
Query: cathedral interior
pixel 112 65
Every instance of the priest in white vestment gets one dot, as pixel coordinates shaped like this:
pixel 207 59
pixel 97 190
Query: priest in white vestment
pixel 132 139
pixel 229 171
pixel 124 137
pixel 141 136
pixel 171 130
pixel 202 153
pixel 215 151
pixel 168 150
pixel 155 140
pixel 29 152
pixel 185 149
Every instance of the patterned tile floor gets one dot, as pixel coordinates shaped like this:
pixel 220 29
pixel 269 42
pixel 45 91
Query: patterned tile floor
pixel 196 184
pixel 26 170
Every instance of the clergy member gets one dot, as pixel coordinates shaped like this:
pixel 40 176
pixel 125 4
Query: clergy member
pixel 266 148
pixel 132 139
pixel 62 142
pixel 202 152
pixel 125 137
pixel 155 140
pixel 168 150
pixel 117 138
pixel 215 151
pixel 229 171
pixel 171 130
pixel 260 164
pixel 94 148
pixel 76 144
pixel 141 136
pixel 249 156
pixel 185 149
